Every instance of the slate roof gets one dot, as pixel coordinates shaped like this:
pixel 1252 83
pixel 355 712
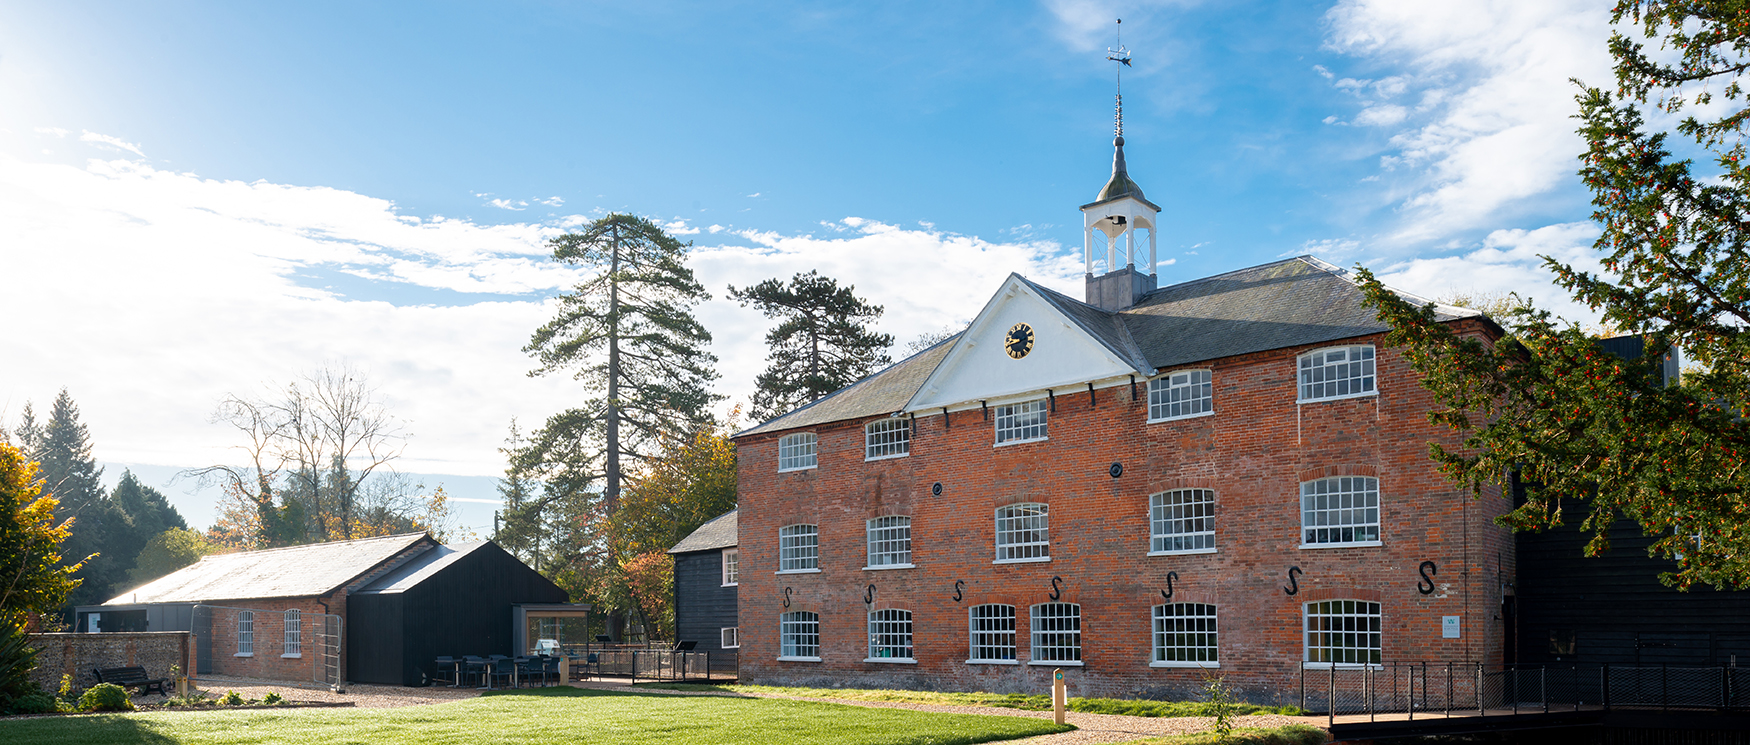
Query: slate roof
pixel 1285 303
pixel 420 568
pixel 720 532
pixel 291 572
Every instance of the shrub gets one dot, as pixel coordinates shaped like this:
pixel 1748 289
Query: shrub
pixel 272 699
pixel 33 703
pixel 232 698
pixel 67 696
pixel 106 697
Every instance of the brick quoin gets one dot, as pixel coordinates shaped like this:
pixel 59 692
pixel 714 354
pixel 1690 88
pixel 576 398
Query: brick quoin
pixel 1254 452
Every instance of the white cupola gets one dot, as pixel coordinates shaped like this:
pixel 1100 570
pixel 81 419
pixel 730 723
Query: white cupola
pixel 1116 275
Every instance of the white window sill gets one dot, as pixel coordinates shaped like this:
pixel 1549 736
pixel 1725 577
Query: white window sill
pixel 889 566
pixel 798 659
pixel 1368 394
pixel 867 459
pixel 738 646
pixel 1205 665
pixel 894 660
pixel 1342 665
pixel 1187 552
pixel 1034 560
pixel 1007 443
pixel 993 662
pixel 1356 544
pixel 798 468
pixel 729 584
pixel 244 654
pixel 1055 663
pixel 815 570
pixel 292 656
pixel 1183 418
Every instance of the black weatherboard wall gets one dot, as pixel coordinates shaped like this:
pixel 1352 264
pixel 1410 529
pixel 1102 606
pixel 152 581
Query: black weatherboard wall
pixel 454 600
pixel 703 605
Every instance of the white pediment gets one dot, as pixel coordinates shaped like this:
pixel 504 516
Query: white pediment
pixel 979 367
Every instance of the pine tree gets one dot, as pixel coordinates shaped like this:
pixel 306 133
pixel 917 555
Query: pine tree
pixel 1546 402
pixel 628 333
pixel 822 343
pixel 521 524
pixel 61 447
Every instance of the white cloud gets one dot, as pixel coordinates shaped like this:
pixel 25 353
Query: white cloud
pixel 1088 24
pixel 552 202
pixel 506 204
pixel 56 131
pixel 1507 261
pixel 1491 127
pixel 753 195
pixel 111 142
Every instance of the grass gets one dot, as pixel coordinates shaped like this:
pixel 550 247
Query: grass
pixel 546 715
pixel 1133 708
pixel 1293 734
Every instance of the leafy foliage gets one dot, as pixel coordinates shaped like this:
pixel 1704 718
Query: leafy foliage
pixel 821 344
pixel 106 697
pixel 169 551
pixel 33 578
pixel 18 693
pixel 1578 424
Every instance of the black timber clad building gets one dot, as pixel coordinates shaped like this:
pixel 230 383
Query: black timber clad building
pixel 453 600
pixel 1612 609
pixel 705 609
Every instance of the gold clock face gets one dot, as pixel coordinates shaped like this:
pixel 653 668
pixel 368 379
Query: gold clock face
pixel 1019 341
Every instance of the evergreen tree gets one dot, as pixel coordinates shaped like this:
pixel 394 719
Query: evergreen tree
pixel 62 449
pixel 822 343
pixel 520 524
pixel 1546 402
pixel 628 333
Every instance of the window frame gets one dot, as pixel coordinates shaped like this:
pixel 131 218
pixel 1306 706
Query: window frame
pixel 1303 369
pixel 1157 538
pixel 903 441
pixel 729 567
pixel 1208 383
pixel 1202 612
pixel 729 637
pixel 870 541
pixel 798 623
pixel 292 634
pixel 1041 654
pixel 891 625
pixel 793 443
pixel 974 635
pixel 812 563
pixel 1307 615
pixel 1044 425
pixel 1359 528
pixel 1044 514
pixel 245 634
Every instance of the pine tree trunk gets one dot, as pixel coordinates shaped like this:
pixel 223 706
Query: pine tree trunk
pixel 613 461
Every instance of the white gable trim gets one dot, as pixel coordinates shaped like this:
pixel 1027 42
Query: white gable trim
pixel 972 371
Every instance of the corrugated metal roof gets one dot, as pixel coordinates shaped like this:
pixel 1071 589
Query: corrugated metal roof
pixel 422 567
pixel 720 532
pixel 1287 303
pixel 290 572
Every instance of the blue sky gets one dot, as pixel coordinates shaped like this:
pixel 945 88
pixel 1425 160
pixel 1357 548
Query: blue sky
pixel 231 194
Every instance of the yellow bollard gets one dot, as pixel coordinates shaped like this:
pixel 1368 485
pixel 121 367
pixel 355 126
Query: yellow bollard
pixel 1058 697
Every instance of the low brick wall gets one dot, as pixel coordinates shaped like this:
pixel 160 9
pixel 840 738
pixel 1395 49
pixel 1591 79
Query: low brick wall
pixel 79 654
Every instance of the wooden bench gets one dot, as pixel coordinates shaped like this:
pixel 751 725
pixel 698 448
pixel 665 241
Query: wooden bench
pixel 131 677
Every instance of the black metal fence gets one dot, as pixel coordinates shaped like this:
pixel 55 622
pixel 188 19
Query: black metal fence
pixel 652 664
pixel 1423 689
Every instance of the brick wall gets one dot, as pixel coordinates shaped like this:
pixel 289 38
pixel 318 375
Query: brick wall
pixel 1253 452
pixel 270 658
pixel 79 654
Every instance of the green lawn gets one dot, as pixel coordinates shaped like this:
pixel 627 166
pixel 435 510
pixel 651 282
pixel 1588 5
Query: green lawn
pixel 547 715
pixel 1127 707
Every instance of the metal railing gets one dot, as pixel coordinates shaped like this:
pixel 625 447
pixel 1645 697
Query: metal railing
pixel 655 664
pixel 1448 689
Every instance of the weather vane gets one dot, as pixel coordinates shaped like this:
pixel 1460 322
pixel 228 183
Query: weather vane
pixel 1122 57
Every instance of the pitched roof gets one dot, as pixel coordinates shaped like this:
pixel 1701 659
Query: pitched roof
pixel 720 532
pixel 291 572
pixel 1287 303
pixel 420 568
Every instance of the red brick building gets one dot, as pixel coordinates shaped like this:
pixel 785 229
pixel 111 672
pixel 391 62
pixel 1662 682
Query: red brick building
pixel 1225 474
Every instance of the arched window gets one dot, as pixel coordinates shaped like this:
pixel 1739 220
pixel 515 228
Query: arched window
pixel 1181 520
pixel 1057 634
pixel 1184 635
pixel 799 548
pixel 886 438
pixel 890 636
pixel 1022 422
pixel 246 633
pixel 1343 632
pixel 1340 510
pixel 799 636
pixel 992 633
pixel 889 541
pixel 1180 395
pixel 796 452
pixel 1337 372
pixel 294 644
pixel 1022 533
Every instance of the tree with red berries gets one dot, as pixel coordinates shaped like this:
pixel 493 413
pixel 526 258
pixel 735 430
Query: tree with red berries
pixel 1545 401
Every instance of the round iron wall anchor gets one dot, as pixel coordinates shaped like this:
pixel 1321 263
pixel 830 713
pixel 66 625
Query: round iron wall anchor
pixel 936 489
pixel 1116 470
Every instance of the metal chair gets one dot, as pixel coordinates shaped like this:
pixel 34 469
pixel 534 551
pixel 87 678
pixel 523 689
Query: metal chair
pixel 449 670
pixel 501 667
pixel 472 665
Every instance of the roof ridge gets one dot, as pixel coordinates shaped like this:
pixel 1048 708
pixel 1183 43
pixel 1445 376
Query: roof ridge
pixel 1230 272
pixel 852 386
pixel 324 543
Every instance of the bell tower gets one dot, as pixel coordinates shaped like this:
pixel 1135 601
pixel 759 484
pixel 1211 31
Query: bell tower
pixel 1117 215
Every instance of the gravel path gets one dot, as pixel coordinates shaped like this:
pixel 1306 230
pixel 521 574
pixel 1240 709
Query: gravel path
pixel 362 696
